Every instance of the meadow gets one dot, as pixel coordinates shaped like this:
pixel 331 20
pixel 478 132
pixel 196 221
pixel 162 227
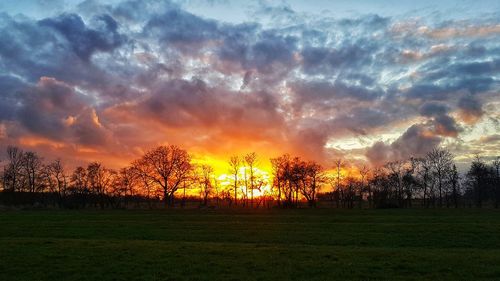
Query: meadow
pixel 305 244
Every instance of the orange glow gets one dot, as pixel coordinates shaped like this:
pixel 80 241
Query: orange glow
pixel 225 180
pixel 39 141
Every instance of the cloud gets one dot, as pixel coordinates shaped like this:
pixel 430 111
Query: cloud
pixel 118 78
pixel 445 125
pixel 490 139
pixel 176 26
pixel 415 142
pixel 9 86
pixel 433 109
pixel 85 41
pixel 470 109
pixel 460 31
pixel 54 110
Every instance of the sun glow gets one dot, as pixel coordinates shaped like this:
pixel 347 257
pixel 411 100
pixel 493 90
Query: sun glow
pixel 224 181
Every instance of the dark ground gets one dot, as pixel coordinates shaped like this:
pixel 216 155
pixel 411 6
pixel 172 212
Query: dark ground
pixel 323 244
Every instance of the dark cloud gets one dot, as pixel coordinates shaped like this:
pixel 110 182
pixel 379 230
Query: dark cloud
pixel 236 42
pixel 246 80
pixel 54 110
pixel 103 73
pixel 270 49
pixel 309 142
pixel 187 104
pixel 415 142
pixel 250 48
pixel 30 50
pixel 470 108
pixel 45 107
pixel 84 41
pixel 9 87
pixel 445 125
pixel 314 92
pixel 359 120
pixel 349 56
pixel 433 109
pixel 176 26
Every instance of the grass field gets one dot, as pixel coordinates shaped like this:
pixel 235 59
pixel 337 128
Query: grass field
pixel 250 245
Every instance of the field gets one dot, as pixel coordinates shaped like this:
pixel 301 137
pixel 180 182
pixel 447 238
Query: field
pixel 324 244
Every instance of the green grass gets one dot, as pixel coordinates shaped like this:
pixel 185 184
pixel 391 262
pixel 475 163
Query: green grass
pixel 250 245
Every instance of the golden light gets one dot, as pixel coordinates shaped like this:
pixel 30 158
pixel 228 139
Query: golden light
pixel 225 180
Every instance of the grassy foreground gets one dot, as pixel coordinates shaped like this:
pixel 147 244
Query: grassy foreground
pixel 250 245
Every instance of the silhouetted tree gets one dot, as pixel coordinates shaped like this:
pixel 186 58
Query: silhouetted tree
pixel 425 179
pixel 477 179
pixel 234 169
pixel 312 178
pixel 410 180
pixel 80 185
pixel 167 167
pixel 279 171
pixel 205 180
pixel 100 180
pixel 13 169
pixel 251 160
pixel 126 184
pixel 454 179
pixel 56 179
pixel 159 173
pixel 395 176
pixel 496 182
pixel 363 172
pixel 338 164
pixel 141 172
pixel 441 161
pixel 32 167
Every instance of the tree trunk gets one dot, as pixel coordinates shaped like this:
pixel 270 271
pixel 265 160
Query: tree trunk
pixel 166 200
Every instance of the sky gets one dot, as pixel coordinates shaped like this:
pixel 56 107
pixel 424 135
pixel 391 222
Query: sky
pixel 368 81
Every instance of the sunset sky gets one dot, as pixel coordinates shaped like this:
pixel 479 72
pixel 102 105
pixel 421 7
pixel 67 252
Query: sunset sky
pixel 369 81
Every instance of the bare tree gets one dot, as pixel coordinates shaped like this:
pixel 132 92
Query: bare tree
pixel 496 187
pixel 101 181
pixel 168 167
pixel 454 180
pixel 396 173
pixel 312 179
pixel 79 185
pixel 79 181
pixel 126 184
pixel 349 194
pixel 13 169
pixel 477 179
pixel 380 187
pixel 56 179
pixel 363 172
pixel 205 180
pixel 338 164
pixel 32 167
pixel 141 172
pixel 251 160
pixel 216 185
pixel 441 161
pixel 279 167
pixel 426 181
pixel 409 180
pixel 234 169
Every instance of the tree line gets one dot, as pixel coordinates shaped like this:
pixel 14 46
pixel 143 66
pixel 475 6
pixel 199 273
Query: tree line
pixel 167 176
